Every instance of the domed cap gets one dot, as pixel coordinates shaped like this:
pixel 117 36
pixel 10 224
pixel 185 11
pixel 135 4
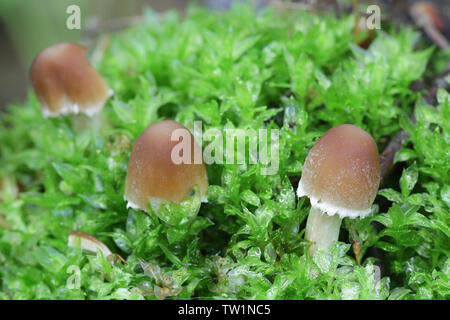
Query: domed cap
pixel 341 173
pixel 66 83
pixel 154 175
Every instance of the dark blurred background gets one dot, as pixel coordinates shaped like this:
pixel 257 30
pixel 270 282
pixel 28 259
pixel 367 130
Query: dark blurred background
pixel 28 26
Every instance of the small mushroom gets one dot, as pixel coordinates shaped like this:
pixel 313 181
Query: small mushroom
pixel 66 83
pixel 87 242
pixel 341 176
pixel 91 244
pixel 155 175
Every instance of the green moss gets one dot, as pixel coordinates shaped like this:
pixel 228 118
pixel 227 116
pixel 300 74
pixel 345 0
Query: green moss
pixel 296 72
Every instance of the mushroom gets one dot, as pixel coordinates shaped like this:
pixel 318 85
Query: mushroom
pixel 155 175
pixel 65 82
pixel 341 176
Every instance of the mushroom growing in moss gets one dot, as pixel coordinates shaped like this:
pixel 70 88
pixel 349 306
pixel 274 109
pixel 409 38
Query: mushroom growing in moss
pixel 66 83
pixel 341 176
pixel 154 173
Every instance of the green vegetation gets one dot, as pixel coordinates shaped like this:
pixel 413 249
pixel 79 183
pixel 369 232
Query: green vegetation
pixel 296 72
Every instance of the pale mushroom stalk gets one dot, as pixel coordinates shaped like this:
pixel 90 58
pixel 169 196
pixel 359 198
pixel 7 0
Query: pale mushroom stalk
pixel 340 176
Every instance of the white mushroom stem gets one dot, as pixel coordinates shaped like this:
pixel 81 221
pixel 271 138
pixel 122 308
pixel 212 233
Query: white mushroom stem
pixel 88 243
pixel 82 122
pixel 322 230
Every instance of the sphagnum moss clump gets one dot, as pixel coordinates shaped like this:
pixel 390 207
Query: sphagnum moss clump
pixel 296 72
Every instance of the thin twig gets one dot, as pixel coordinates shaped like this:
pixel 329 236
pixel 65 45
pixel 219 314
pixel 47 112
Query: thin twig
pixel 424 16
pixel 387 157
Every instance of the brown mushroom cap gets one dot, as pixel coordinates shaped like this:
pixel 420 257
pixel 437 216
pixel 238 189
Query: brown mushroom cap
pixel 153 175
pixel 341 173
pixel 66 83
